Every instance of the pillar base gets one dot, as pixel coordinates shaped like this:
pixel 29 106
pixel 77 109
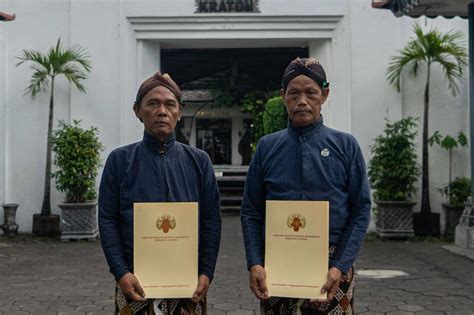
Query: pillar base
pixel 464 233
pixel 46 225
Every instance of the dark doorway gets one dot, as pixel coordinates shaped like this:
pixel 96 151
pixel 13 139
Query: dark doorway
pixel 243 69
pixel 215 137
pixel 245 143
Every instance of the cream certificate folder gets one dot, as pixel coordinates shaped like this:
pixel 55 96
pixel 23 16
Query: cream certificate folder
pixel 296 248
pixel 165 248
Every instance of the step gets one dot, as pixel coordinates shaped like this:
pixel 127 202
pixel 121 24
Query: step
pixel 230 178
pixel 235 190
pixel 230 210
pixel 231 201
pixel 232 184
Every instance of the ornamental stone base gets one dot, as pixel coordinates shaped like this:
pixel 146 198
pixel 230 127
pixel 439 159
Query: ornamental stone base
pixel 464 233
pixel 394 219
pixel 452 214
pixel 79 221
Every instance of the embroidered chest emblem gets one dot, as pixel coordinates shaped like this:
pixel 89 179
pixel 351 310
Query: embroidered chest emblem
pixel 324 152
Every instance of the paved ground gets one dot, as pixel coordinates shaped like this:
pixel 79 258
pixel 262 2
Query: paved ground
pixel 72 278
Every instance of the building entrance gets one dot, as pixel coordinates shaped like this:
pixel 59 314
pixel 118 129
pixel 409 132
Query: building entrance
pixel 215 137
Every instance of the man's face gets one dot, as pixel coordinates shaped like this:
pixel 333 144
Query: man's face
pixel 303 98
pixel 159 110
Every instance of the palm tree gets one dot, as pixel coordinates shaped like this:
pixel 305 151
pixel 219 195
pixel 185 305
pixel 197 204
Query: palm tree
pixel 447 49
pixel 73 63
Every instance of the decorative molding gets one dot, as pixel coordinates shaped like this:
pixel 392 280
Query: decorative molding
pixel 227 6
pixel 206 26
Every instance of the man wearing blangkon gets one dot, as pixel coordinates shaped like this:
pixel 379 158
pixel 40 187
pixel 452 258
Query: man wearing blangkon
pixel 308 161
pixel 157 169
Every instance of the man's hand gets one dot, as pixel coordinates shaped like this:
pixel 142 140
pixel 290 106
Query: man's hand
pixel 202 287
pixel 8 17
pixel 331 285
pixel 258 284
pixel 131 288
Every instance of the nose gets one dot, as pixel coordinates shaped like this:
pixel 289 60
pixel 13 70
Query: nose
pixel 302 100
pixel 161 110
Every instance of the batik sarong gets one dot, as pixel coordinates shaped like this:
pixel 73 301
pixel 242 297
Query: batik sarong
pixel 124 306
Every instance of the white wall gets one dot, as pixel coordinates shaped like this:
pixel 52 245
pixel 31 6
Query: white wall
pixel 3 98
pixel 448 114
pixel 376 36
pixel 38 26
pixel 356 56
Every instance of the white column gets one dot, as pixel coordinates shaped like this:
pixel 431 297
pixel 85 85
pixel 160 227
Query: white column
pixel 334 54
pixel 321 50
pixel 148 59
pixel 3 112
pixel 147 62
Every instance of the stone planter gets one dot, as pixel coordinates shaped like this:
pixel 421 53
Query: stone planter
pixel 452 213
pixel 9 227
pixel 464 232
pixel 394 219
pixel 79 221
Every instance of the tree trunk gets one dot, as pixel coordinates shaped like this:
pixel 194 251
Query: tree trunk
pixel 450 165
pixel 425 176
pixel 46 208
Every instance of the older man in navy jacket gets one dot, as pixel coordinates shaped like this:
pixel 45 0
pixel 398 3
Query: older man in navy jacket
pixel 157 169
pixel 308 161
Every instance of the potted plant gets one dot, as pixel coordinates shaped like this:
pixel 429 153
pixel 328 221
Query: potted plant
pixel 77 157
pixel 456 191
pixel 74 64
pixel 393 172
pixel 447 50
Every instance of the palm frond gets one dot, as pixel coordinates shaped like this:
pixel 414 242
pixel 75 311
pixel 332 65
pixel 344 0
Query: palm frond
pixel 410 56
pixel 74 63
pixel 34 56
pixel 39 81
pixel 448 49
pixel 74 75
pixel 80 55
pixel 452 72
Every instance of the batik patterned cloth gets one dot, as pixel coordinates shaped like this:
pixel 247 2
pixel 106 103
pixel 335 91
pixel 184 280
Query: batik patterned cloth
pixel 166 306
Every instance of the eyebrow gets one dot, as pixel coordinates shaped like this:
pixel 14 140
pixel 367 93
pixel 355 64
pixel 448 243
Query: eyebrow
pixel 166 100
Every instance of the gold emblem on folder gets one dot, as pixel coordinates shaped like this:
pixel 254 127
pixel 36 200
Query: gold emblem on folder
pixel 166 223
pixel 296 221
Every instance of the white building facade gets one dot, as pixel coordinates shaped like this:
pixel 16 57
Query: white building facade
pixel 126 40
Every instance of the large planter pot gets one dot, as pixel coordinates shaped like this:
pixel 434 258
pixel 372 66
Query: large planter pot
pixel 452 214
pixel 79 221
pixel 9 227
pixel 394 219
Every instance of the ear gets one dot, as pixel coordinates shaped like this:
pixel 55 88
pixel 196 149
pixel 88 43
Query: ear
pixel 282 94
pixel 136 109
pixel 180 115
pixel 325 94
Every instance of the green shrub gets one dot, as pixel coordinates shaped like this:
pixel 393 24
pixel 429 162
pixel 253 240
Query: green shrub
pixel 275 117
pixel 393 169
pixel 457 191
pixel 77 156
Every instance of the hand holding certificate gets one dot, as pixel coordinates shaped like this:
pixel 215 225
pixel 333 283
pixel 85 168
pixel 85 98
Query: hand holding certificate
pixel 166 248
pixel 296 248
